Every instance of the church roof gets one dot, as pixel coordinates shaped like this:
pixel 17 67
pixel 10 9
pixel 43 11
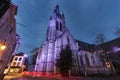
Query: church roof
pixel 88 47
pixel 110 44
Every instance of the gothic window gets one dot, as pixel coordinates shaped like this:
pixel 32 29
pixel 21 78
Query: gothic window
pixel 68 40
pixel 87 60
pixel 102 60
pixel 60 26
pixel 11 30
pixel 56 25
pixel 93 59
pixel 81 60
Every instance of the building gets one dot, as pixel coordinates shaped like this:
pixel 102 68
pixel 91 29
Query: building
pixel 112 49
pixel 17 65
pixel 87 58
pixel 7 33
pixel 32 59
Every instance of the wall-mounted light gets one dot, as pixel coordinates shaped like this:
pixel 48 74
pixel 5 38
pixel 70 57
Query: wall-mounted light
pixel 3 47
pixel 25 55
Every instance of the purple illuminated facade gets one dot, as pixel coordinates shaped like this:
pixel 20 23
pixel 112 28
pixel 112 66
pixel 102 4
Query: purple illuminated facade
pixel 86 57
pixel 8 33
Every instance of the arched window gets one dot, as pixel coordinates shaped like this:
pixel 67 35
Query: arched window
pixel 102 61
pixel 68 40
pixel 81 60
pixel 87 60
pixel 93 59
pixel 56 25
pixel 60 26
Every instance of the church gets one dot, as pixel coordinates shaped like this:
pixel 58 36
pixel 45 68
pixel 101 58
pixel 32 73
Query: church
pixel 88 58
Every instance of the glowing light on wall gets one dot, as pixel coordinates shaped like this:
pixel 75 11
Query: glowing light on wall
pixel 25 55
pixel 2 47
pixel 115 49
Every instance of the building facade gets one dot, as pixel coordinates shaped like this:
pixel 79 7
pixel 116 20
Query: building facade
pixel 7 32
pixel 112 49
pixel 17 65
pixel 86 57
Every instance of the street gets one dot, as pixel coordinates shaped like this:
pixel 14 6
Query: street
pixel 19 77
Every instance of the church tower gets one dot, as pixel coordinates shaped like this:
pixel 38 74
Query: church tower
pixel 56 28
pixel 85 58
pixel 57 38
pixel 56 25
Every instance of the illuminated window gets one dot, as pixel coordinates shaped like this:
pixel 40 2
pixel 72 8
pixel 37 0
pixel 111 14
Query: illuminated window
pixel 68 39
pixel 18 64
pixel 16 70
pixel 11 70
pixel 14 63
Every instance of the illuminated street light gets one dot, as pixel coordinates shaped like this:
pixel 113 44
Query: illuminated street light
pixel 2 47
pixel 25 55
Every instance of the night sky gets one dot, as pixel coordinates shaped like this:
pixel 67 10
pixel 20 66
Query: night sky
pixel 84 19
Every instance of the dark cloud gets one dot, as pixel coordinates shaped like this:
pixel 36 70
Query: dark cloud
pixel 84 18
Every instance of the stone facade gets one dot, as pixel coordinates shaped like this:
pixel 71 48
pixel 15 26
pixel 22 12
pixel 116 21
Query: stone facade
pixel 86 57
pixel 7 32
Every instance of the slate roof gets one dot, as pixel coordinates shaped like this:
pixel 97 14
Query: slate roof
pixel 88 47
pixel 20 54
pixel 110 44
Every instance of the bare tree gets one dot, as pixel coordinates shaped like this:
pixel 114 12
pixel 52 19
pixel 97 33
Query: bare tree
pixel 100 38
pixel 117 32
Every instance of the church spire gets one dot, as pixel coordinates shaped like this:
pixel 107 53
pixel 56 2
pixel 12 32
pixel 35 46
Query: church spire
pixel 56 10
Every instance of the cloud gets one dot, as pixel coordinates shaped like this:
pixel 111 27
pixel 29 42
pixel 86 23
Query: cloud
pixel 84 19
